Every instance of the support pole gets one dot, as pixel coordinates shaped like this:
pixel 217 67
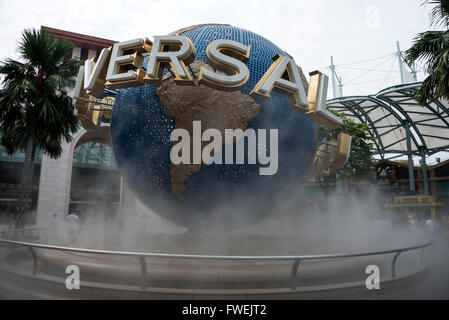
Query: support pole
pixel 340 86
pixel 334 80
pixel 414 73
pixel 401 67
pixel 411 175
pixel 424 172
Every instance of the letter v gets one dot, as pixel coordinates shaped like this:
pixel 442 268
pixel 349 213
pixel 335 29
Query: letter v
pixel 95 73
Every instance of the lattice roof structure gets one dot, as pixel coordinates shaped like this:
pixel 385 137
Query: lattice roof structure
pixel 389 114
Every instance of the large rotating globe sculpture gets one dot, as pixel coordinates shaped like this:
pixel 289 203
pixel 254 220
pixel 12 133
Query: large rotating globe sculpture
pixel 210 195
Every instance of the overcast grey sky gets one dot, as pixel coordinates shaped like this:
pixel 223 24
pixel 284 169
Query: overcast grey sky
pixel 311 31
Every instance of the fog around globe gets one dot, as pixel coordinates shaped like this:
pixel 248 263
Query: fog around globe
pixel 214 195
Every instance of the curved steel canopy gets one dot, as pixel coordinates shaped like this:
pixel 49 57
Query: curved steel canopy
pixel 389 112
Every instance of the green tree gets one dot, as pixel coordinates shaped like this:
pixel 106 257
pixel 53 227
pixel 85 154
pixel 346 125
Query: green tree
pixel 35 110
pixel 360 159
pixel 432 48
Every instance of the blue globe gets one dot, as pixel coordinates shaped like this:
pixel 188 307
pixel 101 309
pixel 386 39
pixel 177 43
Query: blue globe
pixel 217 196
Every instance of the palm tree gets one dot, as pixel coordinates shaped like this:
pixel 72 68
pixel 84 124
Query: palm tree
pixel 432 48
pixel 35 110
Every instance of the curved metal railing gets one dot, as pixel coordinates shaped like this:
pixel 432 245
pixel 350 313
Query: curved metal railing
pixel 141 256
pixel 25 230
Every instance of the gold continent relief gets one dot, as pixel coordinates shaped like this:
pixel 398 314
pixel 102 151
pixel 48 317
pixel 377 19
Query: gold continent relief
pixel 214 108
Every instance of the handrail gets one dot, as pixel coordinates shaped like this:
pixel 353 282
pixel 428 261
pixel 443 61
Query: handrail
pixel 43 230
pixel 213 257
pixel 24 229
pixel 142 255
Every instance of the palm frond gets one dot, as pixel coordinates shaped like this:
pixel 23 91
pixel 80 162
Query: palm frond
pixel 439 15
pixel 34 91
pixel 426 45
pixel 35 46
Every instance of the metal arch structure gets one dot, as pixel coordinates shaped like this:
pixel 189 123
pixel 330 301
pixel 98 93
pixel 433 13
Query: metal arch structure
pixel 361 108
pixel 430 122
pixel 400 124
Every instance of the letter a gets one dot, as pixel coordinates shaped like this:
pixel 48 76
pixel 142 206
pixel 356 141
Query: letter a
pixel 283 75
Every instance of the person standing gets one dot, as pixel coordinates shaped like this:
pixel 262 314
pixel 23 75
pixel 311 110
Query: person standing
pixel 73 226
